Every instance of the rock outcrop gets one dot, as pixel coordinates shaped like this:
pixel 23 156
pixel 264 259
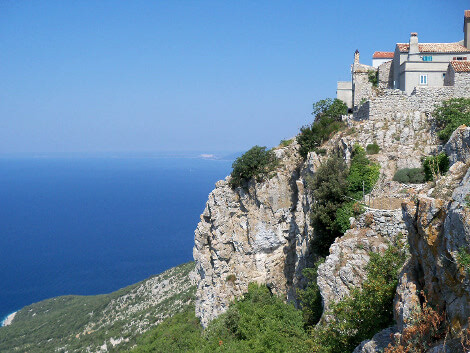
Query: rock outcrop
pixel 258 234
pixel 439 228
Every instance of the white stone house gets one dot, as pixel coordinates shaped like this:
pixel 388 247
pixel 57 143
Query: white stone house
pixel 413 65
pixel 424 64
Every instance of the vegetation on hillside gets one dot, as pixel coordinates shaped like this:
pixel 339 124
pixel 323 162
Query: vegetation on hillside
pixel 327 121
pixel 257 163
pixel 259 322
pixel 334 189
pixel 450 115
pixel 75 323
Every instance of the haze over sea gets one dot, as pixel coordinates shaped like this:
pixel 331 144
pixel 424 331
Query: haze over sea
pixel 94 225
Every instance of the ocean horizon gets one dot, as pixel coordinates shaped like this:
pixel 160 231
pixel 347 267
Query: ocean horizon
pixel 92 225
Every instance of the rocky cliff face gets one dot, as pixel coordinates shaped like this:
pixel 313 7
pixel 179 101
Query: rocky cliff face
pixel 439 228
pixel 259 234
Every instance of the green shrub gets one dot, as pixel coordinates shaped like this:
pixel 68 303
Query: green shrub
pixel 372 148
pixel 344 213
pixel 256 163
pixel 450 115
pixel 410 176
pixel 285 143
pixel 310 297
pixel 434 166
pixel 373 76
pixel 327 121
pixel 362 173
pixel 366 311
pixel 463 259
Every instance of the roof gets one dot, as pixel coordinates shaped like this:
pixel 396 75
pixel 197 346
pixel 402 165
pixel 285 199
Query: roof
pixel 460 65
pixel 435 48
pixel 383 55
pixel 467 13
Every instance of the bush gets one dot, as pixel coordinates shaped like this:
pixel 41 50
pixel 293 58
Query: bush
pixel 425 328
pixel 285 143
pixel 366 311
pixel 327 121
pixel 344 213
pixel 310 297
pixel 373 77
pixel 256 163
pixel 372 148
pixel 434 166
pixel 410 176
pixel 450 115
pixel 361 173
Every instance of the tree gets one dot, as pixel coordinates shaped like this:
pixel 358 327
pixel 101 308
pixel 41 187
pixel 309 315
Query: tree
pixel 327 121
pixel 329 188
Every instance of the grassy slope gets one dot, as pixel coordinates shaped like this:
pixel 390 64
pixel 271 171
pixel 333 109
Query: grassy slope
pixel 74 323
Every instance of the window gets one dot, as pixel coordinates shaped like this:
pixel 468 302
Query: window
pixel 427 58
pixel 423 79
pixel 460 58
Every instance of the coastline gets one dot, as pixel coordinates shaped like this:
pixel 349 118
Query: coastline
pixel 8 320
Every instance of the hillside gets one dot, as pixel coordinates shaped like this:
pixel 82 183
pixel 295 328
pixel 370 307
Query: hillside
pixel 100 323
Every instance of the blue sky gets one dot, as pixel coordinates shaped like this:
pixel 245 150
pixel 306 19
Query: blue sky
pixel 153 76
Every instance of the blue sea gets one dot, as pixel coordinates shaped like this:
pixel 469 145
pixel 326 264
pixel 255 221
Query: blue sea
pixel 94 225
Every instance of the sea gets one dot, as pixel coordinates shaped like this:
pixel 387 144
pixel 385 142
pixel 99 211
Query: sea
pixel 92 225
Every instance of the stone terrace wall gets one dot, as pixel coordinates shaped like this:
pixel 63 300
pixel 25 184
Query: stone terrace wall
pixel 394 102
pixel 387 223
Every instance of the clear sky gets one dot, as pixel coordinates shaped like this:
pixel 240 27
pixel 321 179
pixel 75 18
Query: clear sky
pixel 146 76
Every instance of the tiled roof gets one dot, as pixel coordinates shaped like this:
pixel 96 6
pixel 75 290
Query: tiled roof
pixel 382 55
pixel 467 13
pixel 460 66
pixel 435 48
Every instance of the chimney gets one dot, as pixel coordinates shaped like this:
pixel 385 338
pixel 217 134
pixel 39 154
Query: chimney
pixel 466 29
pixel 413 52
pixel 356 57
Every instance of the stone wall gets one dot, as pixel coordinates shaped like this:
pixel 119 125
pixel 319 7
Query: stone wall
pixel 362 88
pixel 387 223
pixel 385 75
pixel 462 84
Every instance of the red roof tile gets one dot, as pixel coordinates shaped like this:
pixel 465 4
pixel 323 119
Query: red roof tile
pixel 435 48
pixel 460 66
pixel 383 55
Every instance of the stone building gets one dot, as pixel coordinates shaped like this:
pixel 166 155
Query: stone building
pixel 424 64
pixel 414 65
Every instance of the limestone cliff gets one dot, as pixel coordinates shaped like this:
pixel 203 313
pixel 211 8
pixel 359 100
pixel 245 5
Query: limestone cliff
pixel 259 234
